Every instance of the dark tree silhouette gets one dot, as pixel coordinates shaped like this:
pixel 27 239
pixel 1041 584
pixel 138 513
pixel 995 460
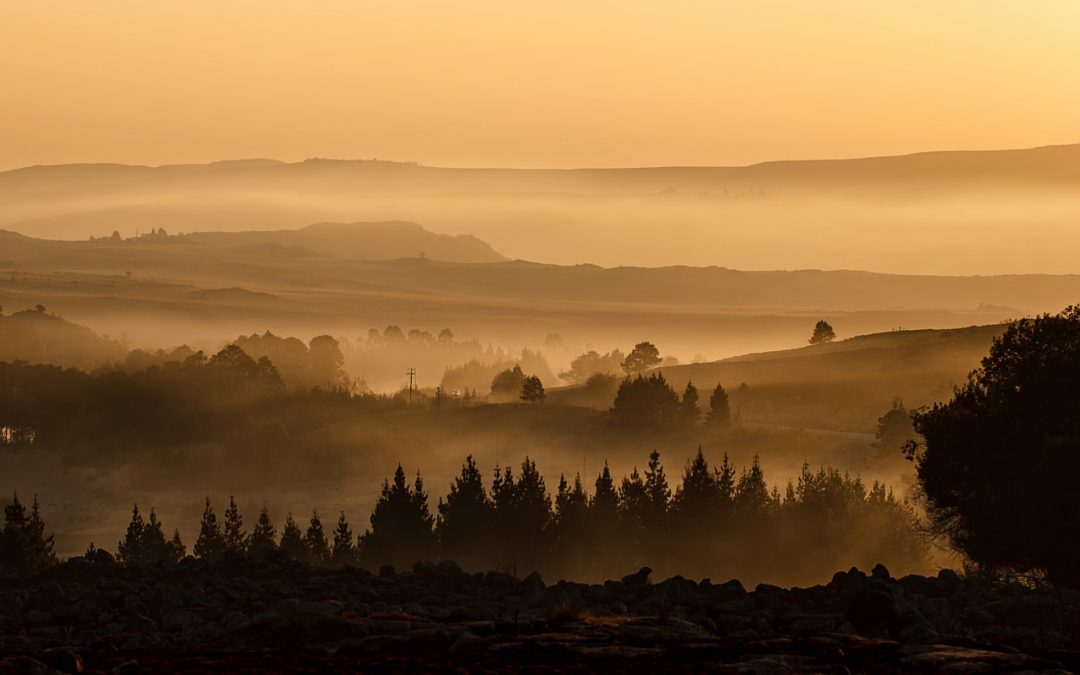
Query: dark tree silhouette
pixel 315 543
pixel 507 385
pixel 327 363
pixel 263 534
pixel 292 540
pixel 235 538
pixel 211 542
pixel 894 429
pixel 823 333
pixel 464 527
pixel 719 408
pixel 144 542
pixel 646 401
pixel 688 405
pixel 522 516
pixel 401 525
pixel 1000 460
pixel 344 550
pixel 532 390
pixel 643 356
pixel 23 542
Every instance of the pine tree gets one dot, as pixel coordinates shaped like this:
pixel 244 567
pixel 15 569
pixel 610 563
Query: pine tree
pixel 344 551
pixel 464 526
pixel 657 493
pixel 292 540
pixel 235 538
pixel 532 390
pixel 263 534
pixel 719 408
pixel 522 516
pixel 154 547
pixel 401 525
pixel 211 543
pixel 315 540
pixel 752 494
pixel 178 550
pixel 725 480
pixel 39 545
pixel 688 406
pixel 129 550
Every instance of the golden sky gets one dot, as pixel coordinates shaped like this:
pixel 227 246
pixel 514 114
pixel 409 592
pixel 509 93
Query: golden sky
pixel 531 82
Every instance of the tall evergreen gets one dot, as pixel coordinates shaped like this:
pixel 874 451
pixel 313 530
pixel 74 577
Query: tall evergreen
pixel 657 492
pixel 344 550
pixel 263 534
pixel 752 494
pixel 719 408
pixel 292 540
pixel 129 549
pixel 464 526
pixel 235 538
pixel 688 405
pixel 522 517
pixel 401 525
pixel 211 542
pixel 318 548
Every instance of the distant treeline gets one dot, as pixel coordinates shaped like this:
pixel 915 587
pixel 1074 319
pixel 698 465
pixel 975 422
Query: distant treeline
pixel 719 522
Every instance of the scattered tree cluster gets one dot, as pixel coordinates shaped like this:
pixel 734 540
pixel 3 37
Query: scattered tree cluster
pixel 649 401
pixel 23 542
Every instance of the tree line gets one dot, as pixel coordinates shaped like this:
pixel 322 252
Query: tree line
pixel 718 521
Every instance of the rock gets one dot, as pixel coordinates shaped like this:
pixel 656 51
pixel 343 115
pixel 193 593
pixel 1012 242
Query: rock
pixel 386 571
pixel 64 660
pixel 126 668
pixel 639 578
pixel 533 584
pixel 881 572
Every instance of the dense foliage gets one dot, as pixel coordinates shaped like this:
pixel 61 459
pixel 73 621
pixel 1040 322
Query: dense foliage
pixel 1000 459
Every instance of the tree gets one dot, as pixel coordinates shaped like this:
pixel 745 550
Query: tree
pixel 23 542
pixel 263 534
pixel 344 551
pixel 327 363
pixel 719 408
pixel 646 401
pixel 894 429
pixel 643 356
pixel 999 461
pixel 235 539
pixel 688 405
pixel 532 390
pixel 823 333
pixel 401 525
pixel 507 385
pixel 211 543
pixel 464 527
pixel 318 549
pixel 292 540
pixel 593 363
pixel 144 542
pixel 522 516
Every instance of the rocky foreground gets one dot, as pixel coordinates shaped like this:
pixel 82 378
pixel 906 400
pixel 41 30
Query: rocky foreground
pixel 95 616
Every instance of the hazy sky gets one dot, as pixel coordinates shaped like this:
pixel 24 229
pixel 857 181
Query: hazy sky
pixel 531 82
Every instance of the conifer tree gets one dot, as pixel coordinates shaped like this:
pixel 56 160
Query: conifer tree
pixel 178 550
pixel 39 545
pixel 235 538
pixel 725 479
pixel 688 405
pixel 128 551
pixel 657 493
pixel 464 526
pixel 719 408
pixel 292 540
pixel 211 543
pixel 752 494
pixel 315 540
pixel 522 516
pixel 154 547
pixel 344 551
pixel 263 534
pixel 401 525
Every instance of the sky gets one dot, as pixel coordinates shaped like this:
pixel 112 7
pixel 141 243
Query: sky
pixel 531 83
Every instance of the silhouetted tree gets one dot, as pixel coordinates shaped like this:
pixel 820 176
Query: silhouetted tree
pixel 643 356
pixel 1000 460
pixel 318 549
pixel 532 390
pixel 401 525
pixel 507 384
pixel 751 495
pixel 522 516
pixel 464 527
pixel 264 533
pixel 344 550
pixel 292 540
pixel 23 542
pixel 719 408
pixel 144 542
pixel 823 333
pixel 211 542
pixel 646 401
pixel 592 363
pixel 688 406
pixel 235 538
pixel 327 363
pixel 895 429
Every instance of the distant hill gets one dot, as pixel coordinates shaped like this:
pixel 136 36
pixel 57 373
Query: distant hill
pixel 940 212
pixel 343 241
pixel 845 385
pixel 39 337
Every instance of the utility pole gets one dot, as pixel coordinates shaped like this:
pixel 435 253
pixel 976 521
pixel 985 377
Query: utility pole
pixel 438 399
pixel 411 372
